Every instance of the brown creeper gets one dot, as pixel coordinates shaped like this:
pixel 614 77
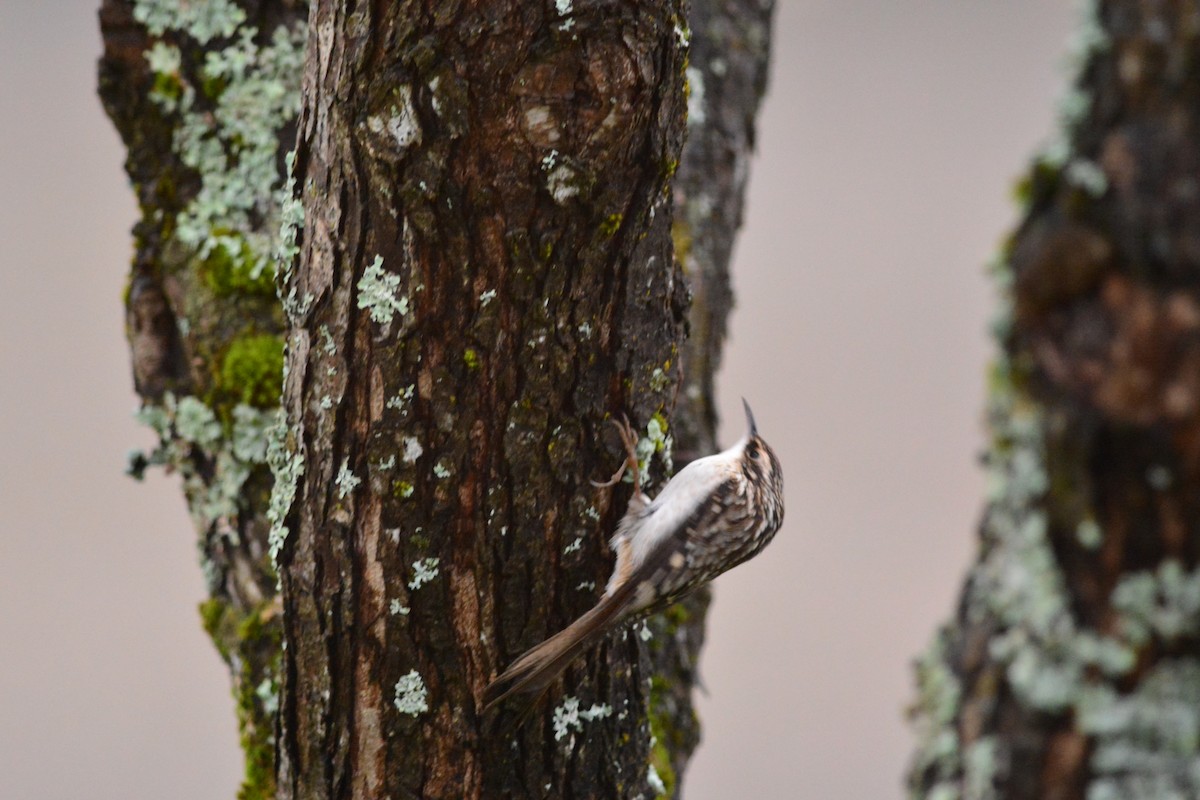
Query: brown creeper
pixel 714 514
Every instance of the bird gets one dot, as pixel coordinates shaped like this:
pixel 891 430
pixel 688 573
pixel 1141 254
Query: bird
pixel 715 513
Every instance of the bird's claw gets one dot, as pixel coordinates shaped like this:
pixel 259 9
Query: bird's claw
pixel 629 440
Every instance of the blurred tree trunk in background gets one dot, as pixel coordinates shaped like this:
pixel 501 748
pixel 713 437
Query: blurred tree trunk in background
pixel 476 232
pixel 1072 668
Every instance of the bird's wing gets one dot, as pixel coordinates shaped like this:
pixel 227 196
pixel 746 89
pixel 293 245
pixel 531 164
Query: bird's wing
pixel 690 554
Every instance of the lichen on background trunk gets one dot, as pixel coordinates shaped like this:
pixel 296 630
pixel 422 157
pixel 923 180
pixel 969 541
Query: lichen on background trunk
pixel 204 95
pixel 1072 668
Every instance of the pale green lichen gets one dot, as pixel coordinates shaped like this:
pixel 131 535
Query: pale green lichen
pixel 695 99
pixel 412 449
pixel 1048 660
pixel 164 59
pixel 939 695
pixel 656 441
pixel 227 116
pixel 327 343
pixel 1147 743
pixel 411 695
pixel 287 467
pixel 569 717
pixel 203 20
pixel 1076 103
pixel 401 400
pixel 291 223
pixel 979 770
pixel 655 782
pixel 188 422
pixel 424 571
pixel 561 179
pixel 1089 534
pixel 378 292
pixel 267 693
pixel 1087 175
pixel 232 450
pixel 195 422
pixel 400 122
pixel 346 481
pixel 1163 604
pixel 659 380
pixel 233 145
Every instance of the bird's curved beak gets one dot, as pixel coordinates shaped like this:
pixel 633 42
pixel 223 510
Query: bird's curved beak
pixel 750 418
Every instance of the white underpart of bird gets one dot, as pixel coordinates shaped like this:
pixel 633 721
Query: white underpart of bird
pixel 712 515
pixel 645 528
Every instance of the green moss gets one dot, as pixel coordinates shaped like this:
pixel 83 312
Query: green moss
pixel 252 370
pixel 676 617
pixel 471 358
pixel 252 627
pixel 218 619
pixel 1042 181
pixel 164 188
pixel 167 86
pixel 256 733
pixel 249 636
pixel 1022 191
pixel 611 225
pixel 402 489
pixel 681 236
pixel 212 86
pixel 228 273
pixel 656 431
pixel 255 637
pixel 664 735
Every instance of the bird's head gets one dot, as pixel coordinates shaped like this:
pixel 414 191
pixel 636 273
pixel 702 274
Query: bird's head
pixel 758 460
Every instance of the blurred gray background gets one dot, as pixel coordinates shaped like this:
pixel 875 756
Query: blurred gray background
pixel 888 145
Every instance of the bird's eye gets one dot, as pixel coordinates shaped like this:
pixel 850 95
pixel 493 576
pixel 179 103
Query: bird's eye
pixel 752 450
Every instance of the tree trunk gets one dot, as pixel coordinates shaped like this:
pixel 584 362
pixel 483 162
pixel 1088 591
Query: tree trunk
pixel 1072 668
pixel 511 172
pixel 727 77
pixel 204 95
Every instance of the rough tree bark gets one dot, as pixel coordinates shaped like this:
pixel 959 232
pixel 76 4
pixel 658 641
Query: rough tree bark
pixel 1072 668
pixel 205 95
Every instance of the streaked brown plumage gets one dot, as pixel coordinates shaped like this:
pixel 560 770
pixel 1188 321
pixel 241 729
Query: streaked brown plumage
pixel 714 514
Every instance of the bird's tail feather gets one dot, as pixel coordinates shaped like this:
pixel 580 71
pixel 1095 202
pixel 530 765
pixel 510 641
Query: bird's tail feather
pixel 537 668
